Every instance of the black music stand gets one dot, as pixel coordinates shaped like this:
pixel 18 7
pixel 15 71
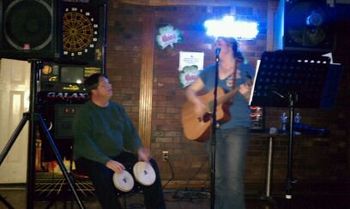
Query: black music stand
pixel 32 116
pixel 294 79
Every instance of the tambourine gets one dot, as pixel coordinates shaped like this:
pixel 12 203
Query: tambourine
pixel 123 181
pixel 144 173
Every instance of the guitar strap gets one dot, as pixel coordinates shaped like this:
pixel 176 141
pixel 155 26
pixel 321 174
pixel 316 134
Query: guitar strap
pixel 234 78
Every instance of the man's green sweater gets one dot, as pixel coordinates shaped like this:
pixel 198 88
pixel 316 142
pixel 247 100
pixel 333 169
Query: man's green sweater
pixel 103 132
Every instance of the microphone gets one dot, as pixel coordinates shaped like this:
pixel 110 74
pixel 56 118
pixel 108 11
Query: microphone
pixel 217 51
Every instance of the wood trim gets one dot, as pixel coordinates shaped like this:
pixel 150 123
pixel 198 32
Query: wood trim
pixel 182 184
pixel 189 2
pixel 146 80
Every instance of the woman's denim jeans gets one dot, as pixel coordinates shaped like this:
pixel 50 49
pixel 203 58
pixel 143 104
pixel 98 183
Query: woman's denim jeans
pixel 231 148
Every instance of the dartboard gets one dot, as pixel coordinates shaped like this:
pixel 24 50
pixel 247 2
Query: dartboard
pixel 79 32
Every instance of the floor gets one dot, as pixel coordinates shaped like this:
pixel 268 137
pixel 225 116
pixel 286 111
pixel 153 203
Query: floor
pixel 187 199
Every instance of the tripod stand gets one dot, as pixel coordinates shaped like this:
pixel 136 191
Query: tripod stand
pixel 34 118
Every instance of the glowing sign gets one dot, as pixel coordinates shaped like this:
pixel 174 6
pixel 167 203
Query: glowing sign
pixel 168 36
pixel 229 27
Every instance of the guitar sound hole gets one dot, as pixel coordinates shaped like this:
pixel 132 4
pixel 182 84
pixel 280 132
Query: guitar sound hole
pixel 206 117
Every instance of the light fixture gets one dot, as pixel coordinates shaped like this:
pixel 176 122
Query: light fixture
pixel 229 27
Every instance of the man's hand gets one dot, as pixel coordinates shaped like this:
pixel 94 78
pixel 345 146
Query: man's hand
pixel 115 166
pixel 144 154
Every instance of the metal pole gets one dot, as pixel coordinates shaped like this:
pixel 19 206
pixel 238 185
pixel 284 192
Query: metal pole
pixel 213 134
pixel 269 168
pixel 31 143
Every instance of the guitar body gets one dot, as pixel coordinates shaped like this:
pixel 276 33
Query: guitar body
pixel 196 129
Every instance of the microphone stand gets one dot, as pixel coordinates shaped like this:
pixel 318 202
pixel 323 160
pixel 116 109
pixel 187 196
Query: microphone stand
pixel 213 132
pixel 292 98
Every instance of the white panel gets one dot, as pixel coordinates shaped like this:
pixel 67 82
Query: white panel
pixel 14 101
pixel 16 111
pixel 17 74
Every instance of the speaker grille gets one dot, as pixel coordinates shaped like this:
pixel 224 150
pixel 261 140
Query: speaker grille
pixel 28 29
pixel 308 26
pixel 28 24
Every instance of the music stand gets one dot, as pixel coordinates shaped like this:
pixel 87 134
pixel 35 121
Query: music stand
pixel 32 116
pixel 294 79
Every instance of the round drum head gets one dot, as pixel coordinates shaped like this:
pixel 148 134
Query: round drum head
pixel 123 181
pixel 144 173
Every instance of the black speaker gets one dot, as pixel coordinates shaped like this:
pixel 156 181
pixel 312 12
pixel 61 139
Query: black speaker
pixel 28 29
pixel 308 25
pixel 57 30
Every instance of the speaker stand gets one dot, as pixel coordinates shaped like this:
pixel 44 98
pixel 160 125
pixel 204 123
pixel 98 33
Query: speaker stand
pixel 34 117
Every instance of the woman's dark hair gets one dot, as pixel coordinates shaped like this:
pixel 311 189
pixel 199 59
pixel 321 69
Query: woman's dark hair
pixel 234 45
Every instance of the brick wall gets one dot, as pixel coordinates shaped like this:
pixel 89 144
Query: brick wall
pixel 123 56
pixel 316 159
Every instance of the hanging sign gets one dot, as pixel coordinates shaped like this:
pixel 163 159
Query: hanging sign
pixel 190 64
pixel 168 36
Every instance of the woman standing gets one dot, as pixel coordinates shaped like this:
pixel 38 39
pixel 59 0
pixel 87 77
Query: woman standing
pixel 232 137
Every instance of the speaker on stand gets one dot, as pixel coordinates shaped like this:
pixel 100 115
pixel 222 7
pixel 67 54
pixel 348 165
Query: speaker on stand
pixel 308 25
pixel 28 29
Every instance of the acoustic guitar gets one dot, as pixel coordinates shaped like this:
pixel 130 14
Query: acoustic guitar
pixel 198 128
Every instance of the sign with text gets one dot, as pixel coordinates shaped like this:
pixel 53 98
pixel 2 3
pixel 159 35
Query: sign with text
pixel 190 63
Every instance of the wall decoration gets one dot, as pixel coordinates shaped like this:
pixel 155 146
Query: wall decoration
pixel 168 36
pixel 79 31
pixel 190 64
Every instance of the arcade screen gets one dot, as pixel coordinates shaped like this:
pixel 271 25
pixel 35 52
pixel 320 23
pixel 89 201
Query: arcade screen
pixel 71 74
